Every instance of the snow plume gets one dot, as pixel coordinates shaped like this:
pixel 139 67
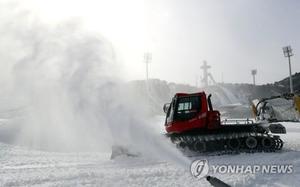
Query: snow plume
pixel 66 80
pixel 59 80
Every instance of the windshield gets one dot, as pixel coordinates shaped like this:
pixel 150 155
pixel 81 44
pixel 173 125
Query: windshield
pixel 187 107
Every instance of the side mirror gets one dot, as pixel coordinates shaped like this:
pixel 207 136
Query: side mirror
pixel 166 107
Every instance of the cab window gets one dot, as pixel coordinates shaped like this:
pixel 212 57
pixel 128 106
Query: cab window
pixel 187 107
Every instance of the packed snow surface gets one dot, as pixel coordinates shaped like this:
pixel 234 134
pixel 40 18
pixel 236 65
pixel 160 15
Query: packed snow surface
pixel 21 166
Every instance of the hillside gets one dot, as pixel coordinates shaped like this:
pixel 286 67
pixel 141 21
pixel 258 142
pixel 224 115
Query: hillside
pixel 155 92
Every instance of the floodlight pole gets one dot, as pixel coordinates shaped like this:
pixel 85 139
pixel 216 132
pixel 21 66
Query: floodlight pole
pixel 147 60
pixel 291 79
pixel 287 51
pixel 253 72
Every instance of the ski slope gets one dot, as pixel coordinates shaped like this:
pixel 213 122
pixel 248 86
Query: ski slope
pixel 21 166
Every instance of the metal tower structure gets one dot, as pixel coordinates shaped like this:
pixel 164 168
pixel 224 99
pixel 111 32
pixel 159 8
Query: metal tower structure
pixel 205 68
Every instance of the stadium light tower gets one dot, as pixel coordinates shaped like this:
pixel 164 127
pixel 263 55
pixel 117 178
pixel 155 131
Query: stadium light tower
pixel 288 52
pixel 147 60
pixel 253 73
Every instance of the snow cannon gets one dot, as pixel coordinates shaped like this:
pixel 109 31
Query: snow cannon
pixel 278 108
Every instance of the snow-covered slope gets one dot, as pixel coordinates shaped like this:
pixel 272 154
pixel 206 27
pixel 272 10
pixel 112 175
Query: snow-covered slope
pixel 20 166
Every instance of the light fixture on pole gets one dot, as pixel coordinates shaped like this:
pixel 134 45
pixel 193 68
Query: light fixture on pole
pixel 288 52
pixel 253 73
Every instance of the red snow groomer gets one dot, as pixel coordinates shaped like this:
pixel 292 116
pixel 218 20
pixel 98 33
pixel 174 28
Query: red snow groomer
pixel 193 125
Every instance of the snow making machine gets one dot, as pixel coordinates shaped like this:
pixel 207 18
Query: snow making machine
pixel 278 108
